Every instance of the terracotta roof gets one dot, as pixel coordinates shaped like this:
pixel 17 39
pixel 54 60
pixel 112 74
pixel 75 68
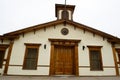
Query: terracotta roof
pixel 110 38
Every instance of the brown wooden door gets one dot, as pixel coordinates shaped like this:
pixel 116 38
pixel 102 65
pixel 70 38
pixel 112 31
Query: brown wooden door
pixel 63 60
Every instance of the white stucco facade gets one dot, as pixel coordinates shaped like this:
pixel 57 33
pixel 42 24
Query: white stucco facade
pixel 41 36
pixel 14 46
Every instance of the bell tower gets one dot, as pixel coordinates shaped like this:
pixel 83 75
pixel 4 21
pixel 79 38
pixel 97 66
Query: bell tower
pixel 64 11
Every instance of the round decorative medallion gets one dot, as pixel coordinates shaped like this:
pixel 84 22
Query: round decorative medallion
pixel 64 31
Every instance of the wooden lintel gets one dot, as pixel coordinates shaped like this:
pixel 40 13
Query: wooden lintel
pixel 32 44
pixel 64 40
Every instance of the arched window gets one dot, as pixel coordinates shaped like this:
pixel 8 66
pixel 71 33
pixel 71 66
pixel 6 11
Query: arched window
pixel 65 15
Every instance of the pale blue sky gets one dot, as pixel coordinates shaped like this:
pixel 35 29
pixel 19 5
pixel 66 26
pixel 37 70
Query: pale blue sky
pixel 103 15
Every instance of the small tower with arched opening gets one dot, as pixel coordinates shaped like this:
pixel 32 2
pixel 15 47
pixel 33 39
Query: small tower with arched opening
pixel 64 11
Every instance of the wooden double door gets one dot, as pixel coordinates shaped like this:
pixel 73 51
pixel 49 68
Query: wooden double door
pixel 64 57
pixel 64 60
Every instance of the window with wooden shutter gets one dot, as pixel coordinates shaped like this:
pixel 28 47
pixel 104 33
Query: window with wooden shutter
pixel 119 57
pixel 2 54
pixel 118 54
pixel 31 56
pixel 95 58
pixel 3 48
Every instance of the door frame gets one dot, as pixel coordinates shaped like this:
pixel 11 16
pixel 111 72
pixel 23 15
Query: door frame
pixel 64 42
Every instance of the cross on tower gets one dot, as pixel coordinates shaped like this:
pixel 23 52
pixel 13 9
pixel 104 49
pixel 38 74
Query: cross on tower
pixel 65 2
pixel 65 10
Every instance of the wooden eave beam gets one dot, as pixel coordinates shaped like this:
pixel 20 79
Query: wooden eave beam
pixel 9 37
pixel 36 27
pixel 52 23
pixel 92 30
pixel 114 41
pixel 5 46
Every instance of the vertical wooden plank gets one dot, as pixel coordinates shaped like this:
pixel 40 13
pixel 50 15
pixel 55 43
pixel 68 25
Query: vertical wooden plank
pixel 76 61
pixel 115 60
pixel 8 58
pixel 52 61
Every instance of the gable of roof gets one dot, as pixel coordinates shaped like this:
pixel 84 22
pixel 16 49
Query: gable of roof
pixel 13 34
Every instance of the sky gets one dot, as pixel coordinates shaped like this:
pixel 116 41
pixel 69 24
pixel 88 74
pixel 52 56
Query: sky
pixel 103 15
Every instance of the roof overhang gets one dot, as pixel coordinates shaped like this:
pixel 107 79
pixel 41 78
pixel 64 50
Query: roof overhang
pixel 8 37
pixel 15 34
pixel 115 41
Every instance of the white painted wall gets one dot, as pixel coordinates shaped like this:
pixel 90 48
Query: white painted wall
pixel 18 71
pixel 42 36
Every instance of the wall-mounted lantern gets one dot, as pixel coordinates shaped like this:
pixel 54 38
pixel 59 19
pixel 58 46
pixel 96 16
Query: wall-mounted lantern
pixel 83 47
pixel 44 46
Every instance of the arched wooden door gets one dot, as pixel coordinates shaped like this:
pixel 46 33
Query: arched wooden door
pixel 64 57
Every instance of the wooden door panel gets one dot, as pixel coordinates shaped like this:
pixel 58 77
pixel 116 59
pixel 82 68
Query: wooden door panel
pixel 58 61
pixel 68 65
pixel 59 68
pixel 63 59
pixel 68 69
